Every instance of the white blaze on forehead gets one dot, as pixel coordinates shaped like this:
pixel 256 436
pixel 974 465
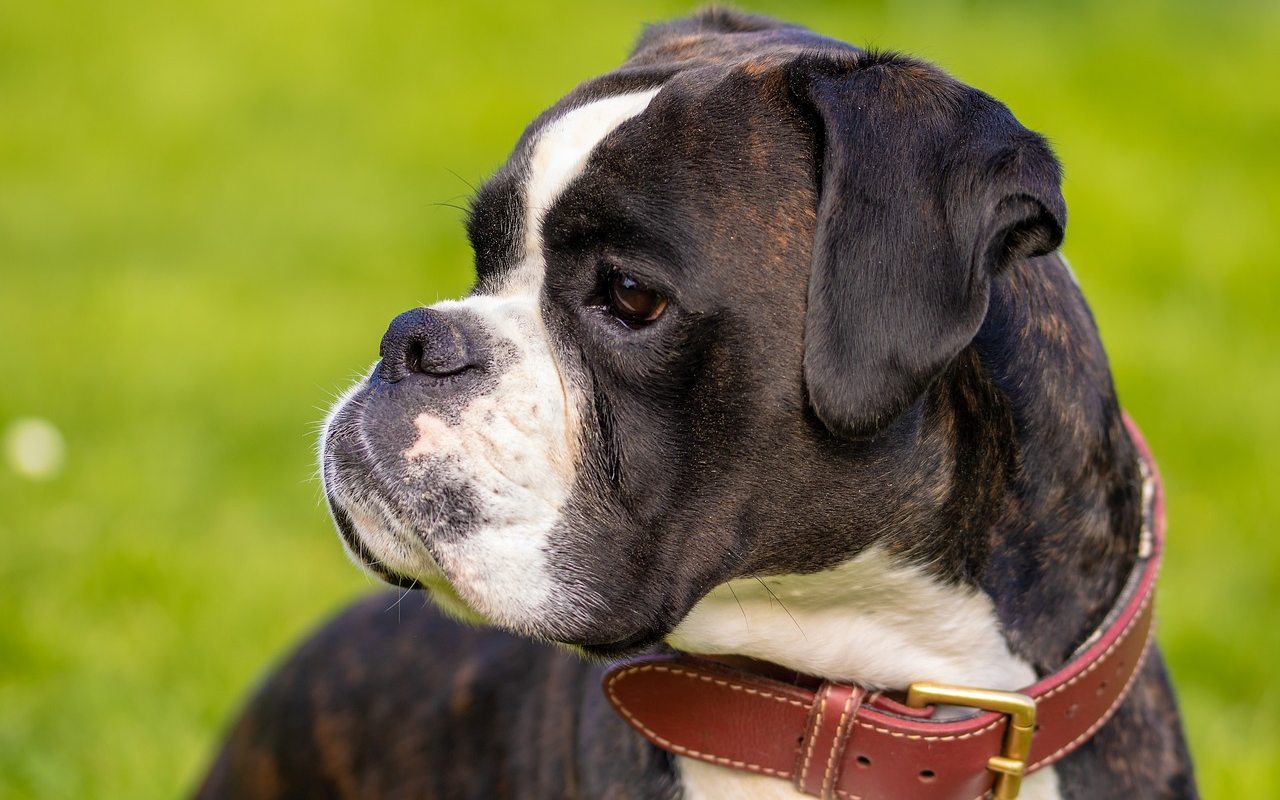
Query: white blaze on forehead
pixel 559 155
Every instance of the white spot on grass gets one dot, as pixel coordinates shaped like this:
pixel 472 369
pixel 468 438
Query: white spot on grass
pixel 34 448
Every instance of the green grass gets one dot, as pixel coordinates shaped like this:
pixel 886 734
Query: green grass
pixel 210 210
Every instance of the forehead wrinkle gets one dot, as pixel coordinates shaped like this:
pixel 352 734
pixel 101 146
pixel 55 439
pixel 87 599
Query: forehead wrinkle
pixel 559 154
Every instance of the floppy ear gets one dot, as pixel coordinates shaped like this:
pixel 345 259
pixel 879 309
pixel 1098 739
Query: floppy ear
pixel 926 189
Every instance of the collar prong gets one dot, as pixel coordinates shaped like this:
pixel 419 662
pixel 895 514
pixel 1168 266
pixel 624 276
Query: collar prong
pixel 1011 765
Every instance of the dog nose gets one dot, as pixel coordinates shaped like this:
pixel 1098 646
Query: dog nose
pixel 425 342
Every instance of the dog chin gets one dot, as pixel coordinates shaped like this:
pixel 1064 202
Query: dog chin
pixel 591 643
pixel 635 644
pixel 564 627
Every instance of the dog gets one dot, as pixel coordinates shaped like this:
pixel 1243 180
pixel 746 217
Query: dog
pixel 771 356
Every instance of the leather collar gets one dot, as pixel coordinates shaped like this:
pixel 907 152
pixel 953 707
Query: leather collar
pixel 838 740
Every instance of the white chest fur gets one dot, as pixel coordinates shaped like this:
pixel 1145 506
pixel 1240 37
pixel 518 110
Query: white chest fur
pixel 870 620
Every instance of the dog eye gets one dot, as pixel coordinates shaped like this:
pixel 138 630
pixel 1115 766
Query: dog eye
pixel 633 303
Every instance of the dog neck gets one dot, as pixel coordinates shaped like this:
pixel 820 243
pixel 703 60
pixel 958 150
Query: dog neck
pixel 1014 564
pixel 1068 513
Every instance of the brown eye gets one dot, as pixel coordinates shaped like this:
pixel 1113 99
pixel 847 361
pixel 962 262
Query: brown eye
pixel 633 303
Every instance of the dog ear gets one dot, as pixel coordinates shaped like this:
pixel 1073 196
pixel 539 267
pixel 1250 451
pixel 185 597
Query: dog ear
pixel 926 189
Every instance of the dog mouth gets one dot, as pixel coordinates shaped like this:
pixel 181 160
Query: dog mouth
pixel 596 644
pixel 462 530
pixel 643 641
pixel 396 519
pixel 361 553
pixel 431 580
pixel 373 520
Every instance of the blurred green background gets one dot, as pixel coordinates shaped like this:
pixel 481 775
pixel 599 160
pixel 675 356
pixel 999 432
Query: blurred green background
pixel 210 210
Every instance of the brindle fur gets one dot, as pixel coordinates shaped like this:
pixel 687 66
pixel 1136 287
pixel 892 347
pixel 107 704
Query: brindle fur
pixel 1008 469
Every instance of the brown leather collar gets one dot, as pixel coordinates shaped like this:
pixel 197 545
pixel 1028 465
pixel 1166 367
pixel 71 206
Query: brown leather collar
pixel 839 740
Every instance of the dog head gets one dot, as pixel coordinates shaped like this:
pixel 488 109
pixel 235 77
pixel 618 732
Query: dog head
pixel 713 287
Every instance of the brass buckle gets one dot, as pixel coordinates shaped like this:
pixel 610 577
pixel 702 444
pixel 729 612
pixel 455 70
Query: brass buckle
pixel 1011 765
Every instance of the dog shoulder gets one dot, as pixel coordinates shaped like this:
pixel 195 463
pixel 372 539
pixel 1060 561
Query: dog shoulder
pixel 392 698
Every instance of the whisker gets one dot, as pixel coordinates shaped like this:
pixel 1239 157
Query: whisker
pixel 468 183
pixel 404 593
pixel 740 608
pixel 784 605
pixel 453 206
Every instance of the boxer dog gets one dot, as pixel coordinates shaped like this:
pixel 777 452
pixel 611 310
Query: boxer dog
pixel 770 354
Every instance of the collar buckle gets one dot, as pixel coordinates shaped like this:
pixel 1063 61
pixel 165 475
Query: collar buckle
pixel 1011 764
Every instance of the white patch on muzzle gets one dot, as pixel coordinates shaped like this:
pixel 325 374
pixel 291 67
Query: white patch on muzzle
pixel 515 447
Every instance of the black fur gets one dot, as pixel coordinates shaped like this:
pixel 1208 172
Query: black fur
pixel 927 187
pixel 868 342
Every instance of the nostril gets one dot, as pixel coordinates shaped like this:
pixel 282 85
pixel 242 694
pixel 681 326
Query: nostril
pixel 422 341
pixel 413 357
